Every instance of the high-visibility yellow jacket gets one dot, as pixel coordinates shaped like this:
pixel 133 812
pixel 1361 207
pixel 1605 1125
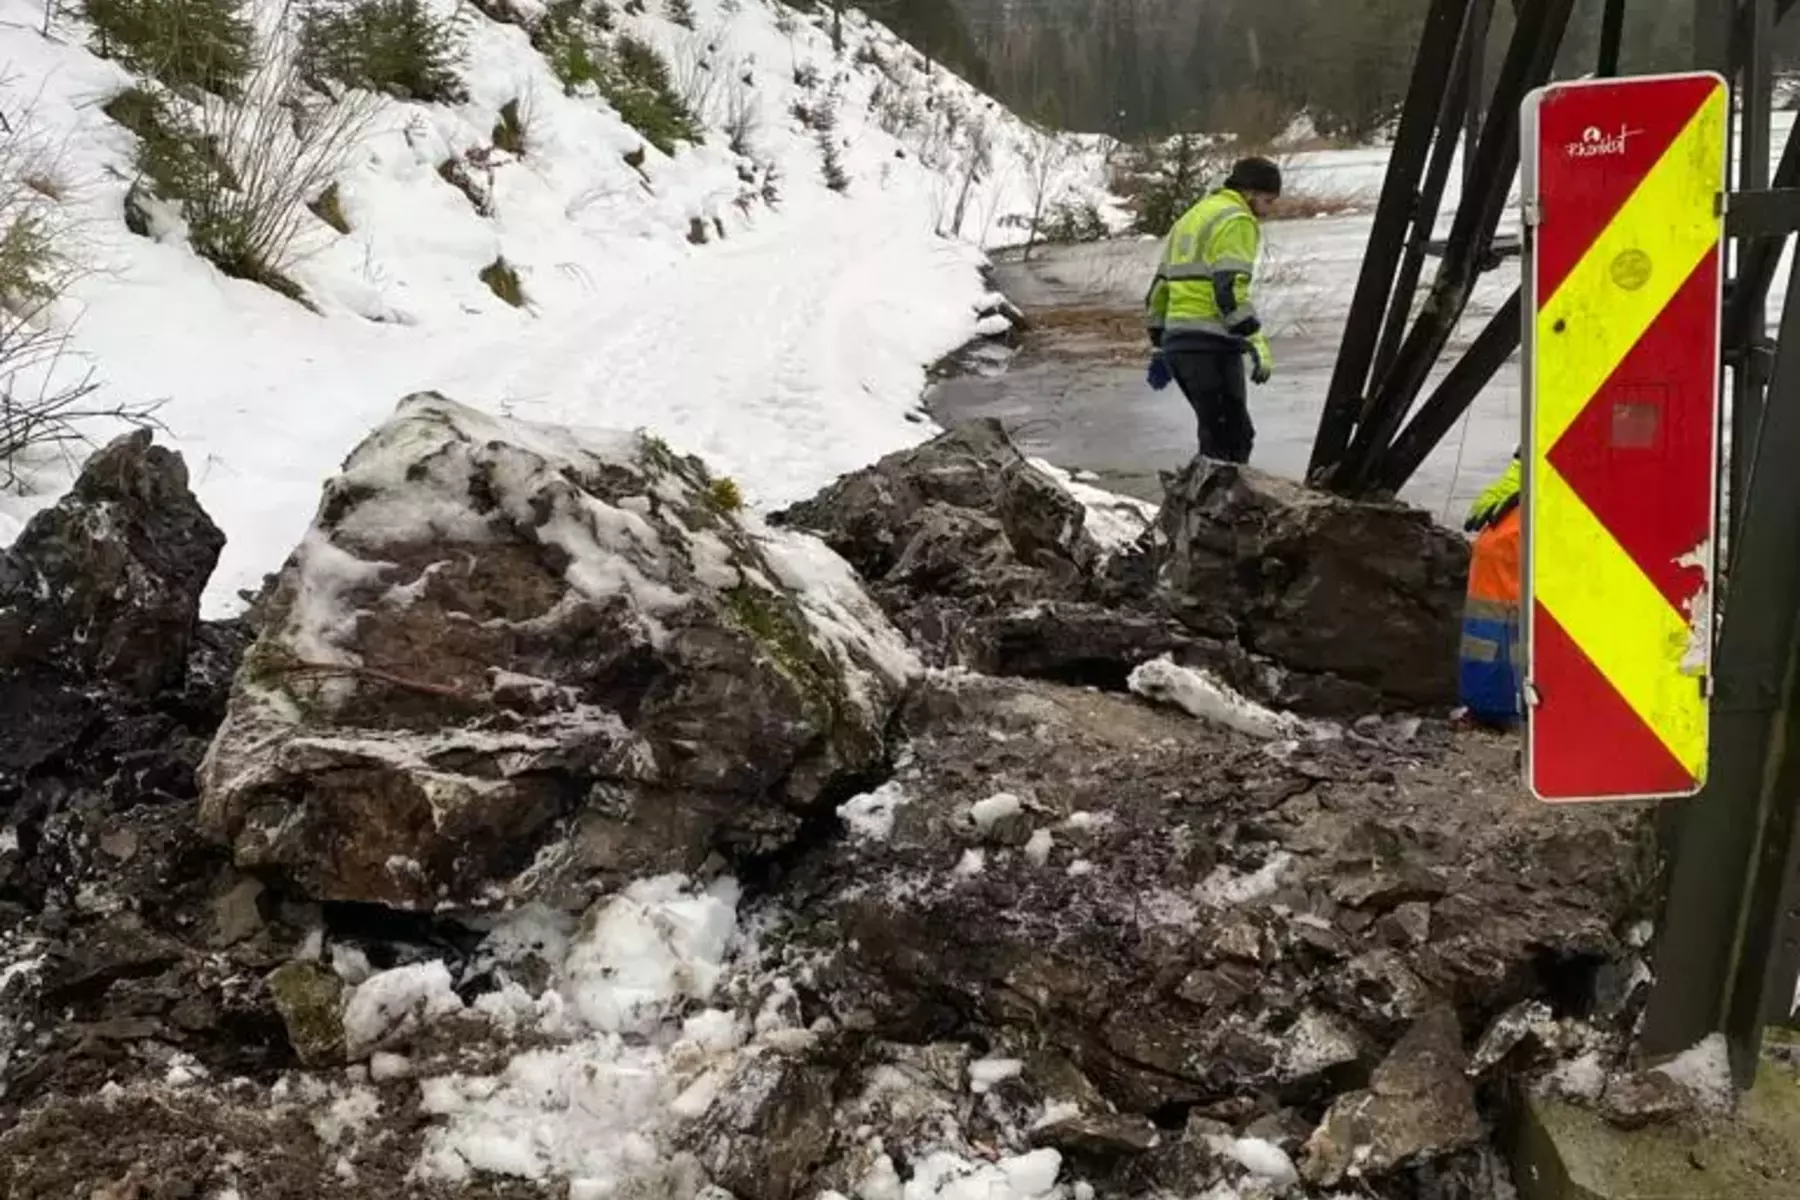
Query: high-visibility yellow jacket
pixel 1200 296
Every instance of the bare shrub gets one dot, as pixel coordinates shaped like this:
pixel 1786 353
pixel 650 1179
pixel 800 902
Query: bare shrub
pixel 977 159
pixel 243 173
pixel 1043 154
pixel 897 111
pixel 47 404
pixel 1252 116
pixel 695 78
pixel 1072 221
pixel 741 116
pixel 1306 194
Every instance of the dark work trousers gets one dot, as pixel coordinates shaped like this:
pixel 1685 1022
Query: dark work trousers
pixel 1213 382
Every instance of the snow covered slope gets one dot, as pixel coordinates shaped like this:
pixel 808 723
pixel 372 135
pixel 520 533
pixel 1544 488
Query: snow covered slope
pixel 785 342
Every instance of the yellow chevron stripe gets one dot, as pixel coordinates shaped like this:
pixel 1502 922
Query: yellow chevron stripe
pixel 1618 617
pixel 1671 220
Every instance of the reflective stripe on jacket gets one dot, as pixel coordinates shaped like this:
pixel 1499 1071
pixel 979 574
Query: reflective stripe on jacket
pixel 1202 285
pixel 1490 659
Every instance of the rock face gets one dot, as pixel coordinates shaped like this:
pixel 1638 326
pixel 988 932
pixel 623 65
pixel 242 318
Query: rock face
pixel 106 584
pixel 1369 593
pixel 1309 602
pixel 498 640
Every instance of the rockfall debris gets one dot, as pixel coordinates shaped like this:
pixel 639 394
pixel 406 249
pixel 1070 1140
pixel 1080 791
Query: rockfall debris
pixel 562 830
pixel 1298 599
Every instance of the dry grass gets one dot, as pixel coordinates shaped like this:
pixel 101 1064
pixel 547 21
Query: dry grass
pixel 1307 203
pixel 1089 332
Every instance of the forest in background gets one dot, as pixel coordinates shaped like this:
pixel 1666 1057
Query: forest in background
pixel 1139 68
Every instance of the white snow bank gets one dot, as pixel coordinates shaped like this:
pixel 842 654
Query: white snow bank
pixel 1039 846
pixel 768 349
pixel 870 816
pixel 1202 694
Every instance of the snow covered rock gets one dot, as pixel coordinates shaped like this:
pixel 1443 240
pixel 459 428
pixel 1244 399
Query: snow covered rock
pixel 1420 1105
pixel 508 657
pixel 106 584
pixel 1361 601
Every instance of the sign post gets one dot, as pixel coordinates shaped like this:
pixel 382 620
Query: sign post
pixel 1622 188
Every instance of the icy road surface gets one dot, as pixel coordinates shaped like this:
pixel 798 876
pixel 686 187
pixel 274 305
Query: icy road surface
pixel 1080 399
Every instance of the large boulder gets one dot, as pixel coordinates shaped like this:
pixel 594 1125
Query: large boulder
pixel 987 561
pixel 1296 598
pixel 106 584
pixel 1180 918
pixel 1369 593
pixel 508 659
pixel 969 486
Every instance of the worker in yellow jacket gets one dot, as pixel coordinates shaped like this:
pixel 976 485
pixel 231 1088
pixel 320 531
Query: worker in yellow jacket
pixel 1490 667
pixel 1201 319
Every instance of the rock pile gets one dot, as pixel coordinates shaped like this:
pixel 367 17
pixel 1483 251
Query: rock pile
pixel 1307 601
pixel 568 832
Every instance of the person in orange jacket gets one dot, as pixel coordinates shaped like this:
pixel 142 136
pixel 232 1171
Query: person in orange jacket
pixel 1489 665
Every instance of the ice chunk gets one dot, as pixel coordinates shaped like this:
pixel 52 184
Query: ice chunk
pixel 1202 694
pixel 639 954
pixel 1038 847
pixel 996 808
pixel 1224 888
pixel 984 1073
pixel 870 816
pixel 394 1003
pixel 1264 1158
pixel 1705 1070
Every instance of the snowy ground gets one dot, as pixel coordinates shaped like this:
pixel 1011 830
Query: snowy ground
pixel 786 353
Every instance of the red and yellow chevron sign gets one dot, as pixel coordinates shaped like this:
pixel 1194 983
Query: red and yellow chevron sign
pixel 1623 185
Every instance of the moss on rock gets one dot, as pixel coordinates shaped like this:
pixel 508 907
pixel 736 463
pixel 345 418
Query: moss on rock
pixel 310 999
pixel 775 623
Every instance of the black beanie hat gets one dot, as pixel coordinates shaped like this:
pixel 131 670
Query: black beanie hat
pixel 1255 175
